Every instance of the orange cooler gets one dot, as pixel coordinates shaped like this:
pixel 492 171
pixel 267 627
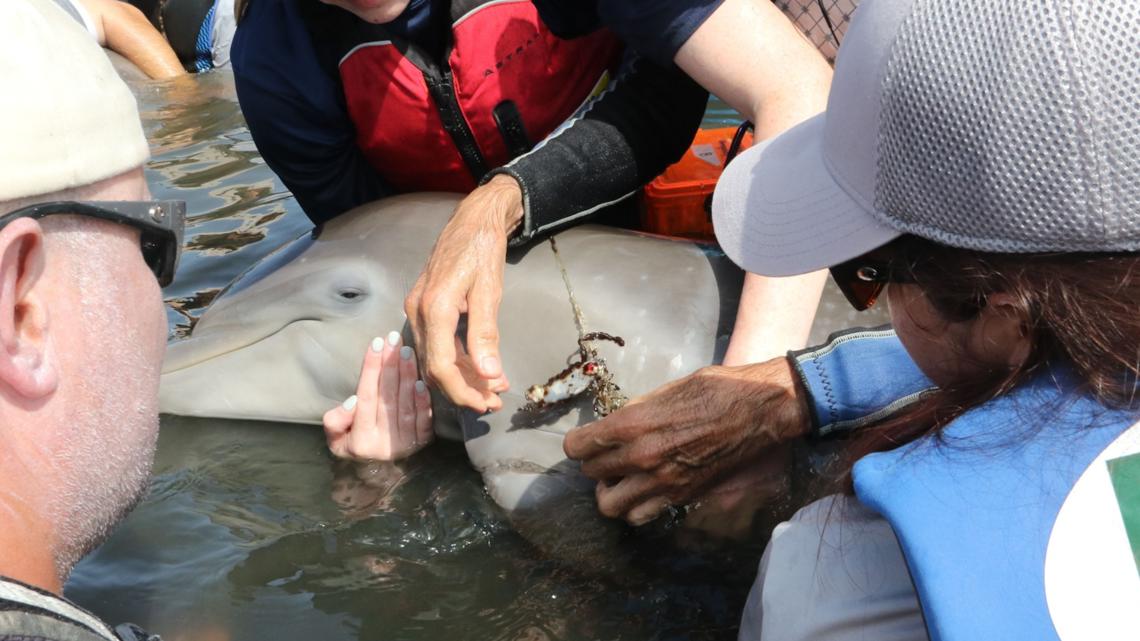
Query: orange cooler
pixel 677 203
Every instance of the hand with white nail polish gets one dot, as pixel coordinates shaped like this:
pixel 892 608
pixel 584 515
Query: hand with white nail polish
pixel 389 417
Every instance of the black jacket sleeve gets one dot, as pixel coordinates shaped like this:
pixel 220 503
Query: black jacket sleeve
pixel 642 123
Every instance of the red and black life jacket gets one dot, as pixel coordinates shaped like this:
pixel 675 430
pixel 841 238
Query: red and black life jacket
pixel 505 82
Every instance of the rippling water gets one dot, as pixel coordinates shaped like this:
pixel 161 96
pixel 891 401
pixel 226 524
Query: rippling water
pixel 251 531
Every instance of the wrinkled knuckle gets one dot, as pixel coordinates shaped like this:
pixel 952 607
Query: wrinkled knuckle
pixel 425 306
pixel 644 459
pixel 411 306
pixel 487 334
pixel 663 475
pixel 679 483
pixel 600 440
pixel 434 302
pixel 609 510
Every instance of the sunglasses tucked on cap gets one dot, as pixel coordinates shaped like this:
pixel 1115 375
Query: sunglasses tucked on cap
pixel 974 123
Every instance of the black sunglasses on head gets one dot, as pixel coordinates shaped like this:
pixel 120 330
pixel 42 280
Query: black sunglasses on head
pixel 160 222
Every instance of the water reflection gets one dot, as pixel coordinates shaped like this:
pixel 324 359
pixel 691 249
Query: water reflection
pixel 250 530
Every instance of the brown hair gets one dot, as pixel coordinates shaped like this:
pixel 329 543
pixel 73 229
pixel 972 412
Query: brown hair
pixel 1080 311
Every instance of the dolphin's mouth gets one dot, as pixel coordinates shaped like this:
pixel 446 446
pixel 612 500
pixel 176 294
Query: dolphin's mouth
pixel 217 342
pixel 270 376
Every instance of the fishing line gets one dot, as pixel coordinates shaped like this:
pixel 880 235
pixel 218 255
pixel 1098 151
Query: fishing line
pixel 579 320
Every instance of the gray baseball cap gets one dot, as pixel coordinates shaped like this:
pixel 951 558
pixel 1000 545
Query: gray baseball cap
pixel 995 125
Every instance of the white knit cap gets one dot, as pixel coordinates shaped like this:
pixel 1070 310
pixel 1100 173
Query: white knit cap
pixel 66 118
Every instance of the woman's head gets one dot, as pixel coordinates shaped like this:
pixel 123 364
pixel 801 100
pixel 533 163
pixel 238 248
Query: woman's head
pixel 974 319
pixel 979 324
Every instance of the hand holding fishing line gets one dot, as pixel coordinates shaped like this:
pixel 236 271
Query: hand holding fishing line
pixel 672 445
pixel 389 418
pixel 464 275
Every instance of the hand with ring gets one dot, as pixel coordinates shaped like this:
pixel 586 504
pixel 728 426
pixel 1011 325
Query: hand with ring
pixel 676 444
pixel 389 417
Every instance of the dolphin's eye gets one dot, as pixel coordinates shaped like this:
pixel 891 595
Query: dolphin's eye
pixel 350 294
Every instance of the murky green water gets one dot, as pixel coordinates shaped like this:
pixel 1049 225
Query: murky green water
pixel 251 530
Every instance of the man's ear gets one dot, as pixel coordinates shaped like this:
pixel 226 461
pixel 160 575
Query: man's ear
pixel 27 365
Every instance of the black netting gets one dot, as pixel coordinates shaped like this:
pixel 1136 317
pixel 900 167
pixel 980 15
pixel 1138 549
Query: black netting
pixel 823 21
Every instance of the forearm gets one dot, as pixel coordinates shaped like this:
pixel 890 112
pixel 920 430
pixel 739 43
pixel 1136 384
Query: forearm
pixel 552 182
pixel 857 378
pixel 126 31
pixel 774 316
pixel 641 124
pixel 766 70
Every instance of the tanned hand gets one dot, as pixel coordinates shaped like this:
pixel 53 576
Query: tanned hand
pixel 673 444
pixel 464 275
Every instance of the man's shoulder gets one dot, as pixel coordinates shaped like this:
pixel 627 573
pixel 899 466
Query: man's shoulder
pixel 27 612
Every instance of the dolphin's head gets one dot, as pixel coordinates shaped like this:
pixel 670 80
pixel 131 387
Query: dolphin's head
pixel 285 340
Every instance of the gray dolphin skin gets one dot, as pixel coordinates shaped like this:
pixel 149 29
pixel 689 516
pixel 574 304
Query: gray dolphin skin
pixel 285 340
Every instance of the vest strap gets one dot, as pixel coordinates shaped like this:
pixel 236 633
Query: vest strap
pixel 442 90
pixel 510 124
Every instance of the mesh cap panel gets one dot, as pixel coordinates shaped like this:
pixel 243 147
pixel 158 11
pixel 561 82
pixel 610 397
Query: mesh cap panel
pixel 1014 126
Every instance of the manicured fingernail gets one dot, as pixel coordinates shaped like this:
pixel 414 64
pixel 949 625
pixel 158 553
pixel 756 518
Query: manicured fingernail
pixel 393 338
pixel 377 344
pixel 406 353
pixel 490 364
pixel 349 403
pixel 421 388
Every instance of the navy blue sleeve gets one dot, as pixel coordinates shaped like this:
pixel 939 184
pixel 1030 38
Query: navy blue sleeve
pixel 859 377
pixel 296 113
pixel 656 28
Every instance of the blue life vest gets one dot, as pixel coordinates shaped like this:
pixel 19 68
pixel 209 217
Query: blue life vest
pixel 974 514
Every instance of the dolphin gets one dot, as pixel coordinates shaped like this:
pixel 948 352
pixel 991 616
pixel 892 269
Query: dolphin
pixel 285 340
